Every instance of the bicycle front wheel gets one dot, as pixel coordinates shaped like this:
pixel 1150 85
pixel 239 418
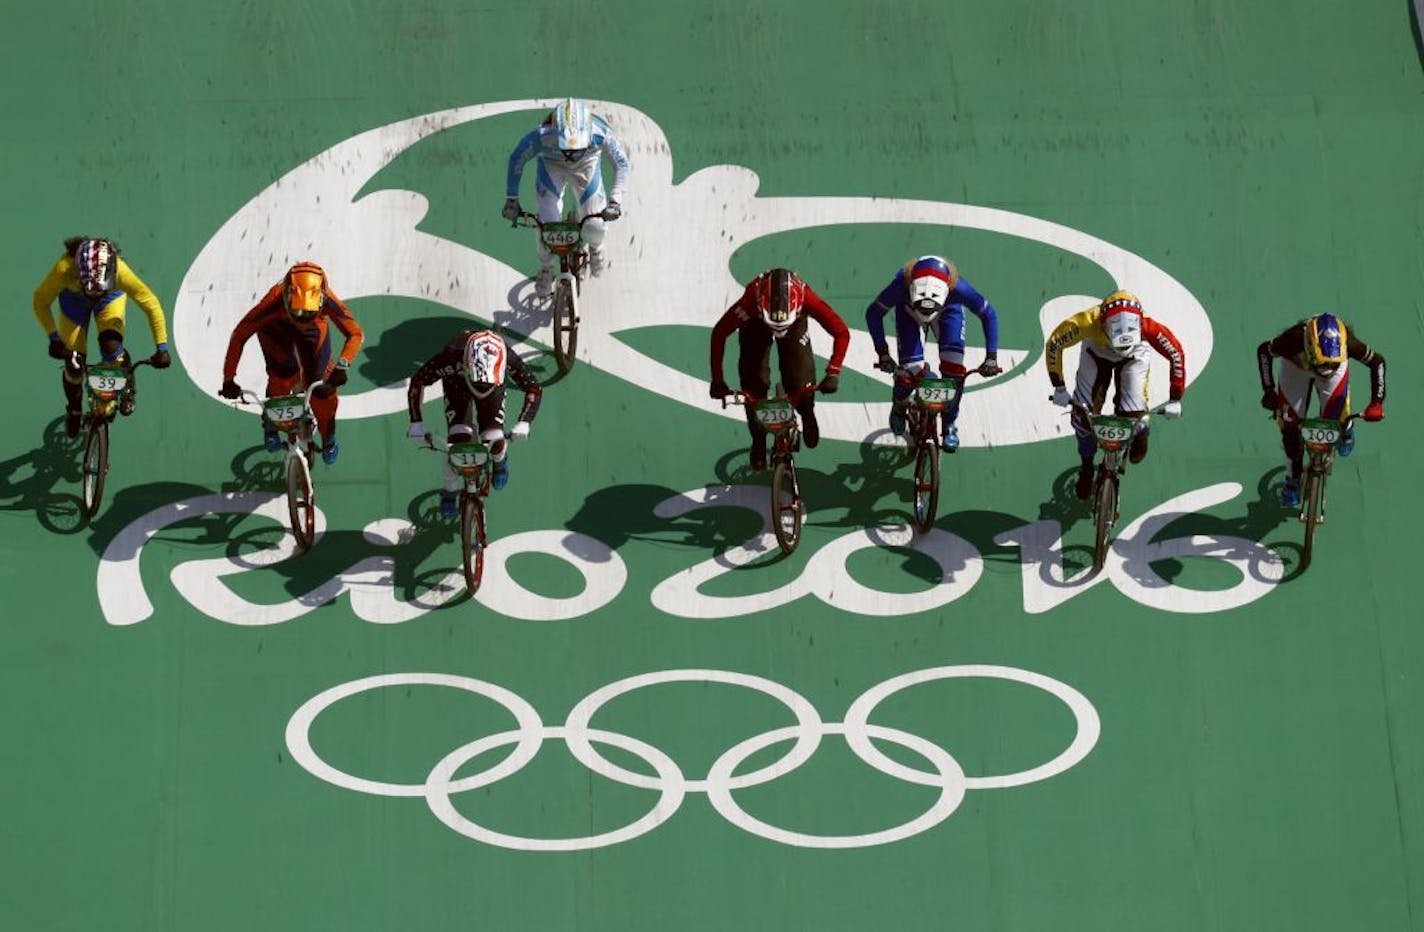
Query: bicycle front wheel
pixel 472 540
pixel 1313 512
pixel 565 324
pixel 926 484
pixel 785 505
pixel 96 464
pixel 301 501
pixel 1104 516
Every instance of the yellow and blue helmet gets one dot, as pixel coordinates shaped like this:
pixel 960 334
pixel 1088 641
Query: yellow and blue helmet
pixel 1325 344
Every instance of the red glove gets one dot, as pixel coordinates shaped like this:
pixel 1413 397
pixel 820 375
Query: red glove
pixel 1375 412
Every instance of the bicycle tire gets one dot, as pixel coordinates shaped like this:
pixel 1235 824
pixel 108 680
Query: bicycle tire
pixel 565 325
pixel 1313 498
pixel 96 464
pixel 301 502
pixel 1104 515
pixel 472 540
pixel 926 499
pixel 785 515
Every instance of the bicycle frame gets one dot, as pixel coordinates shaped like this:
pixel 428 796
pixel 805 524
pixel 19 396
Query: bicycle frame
pixel 292 415
pixel 777 415
pixel 1320 437
pixel 1114 435
pixel 471 462
pixel 104 385
pixel 927 400
pixel 563 238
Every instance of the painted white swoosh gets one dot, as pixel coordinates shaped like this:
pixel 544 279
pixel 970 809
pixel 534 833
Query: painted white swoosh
pixel 671 252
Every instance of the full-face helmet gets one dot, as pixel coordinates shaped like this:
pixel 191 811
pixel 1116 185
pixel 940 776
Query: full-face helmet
pixel 485 360
pixel 780 294
pixel 1122 320
pixel 1325 344
pixel 929 281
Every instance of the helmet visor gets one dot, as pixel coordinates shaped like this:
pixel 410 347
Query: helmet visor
pixel 304 295
pixel 1124 330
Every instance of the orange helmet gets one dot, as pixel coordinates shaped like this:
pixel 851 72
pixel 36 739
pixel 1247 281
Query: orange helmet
pixel 304 292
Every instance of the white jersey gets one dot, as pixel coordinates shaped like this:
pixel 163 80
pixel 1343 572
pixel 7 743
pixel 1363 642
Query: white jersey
pixel 584 174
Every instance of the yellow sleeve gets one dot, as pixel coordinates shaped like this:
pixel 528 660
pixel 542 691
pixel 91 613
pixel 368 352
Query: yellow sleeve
pixel 49 289
pixel 133 286
pixel 1067 334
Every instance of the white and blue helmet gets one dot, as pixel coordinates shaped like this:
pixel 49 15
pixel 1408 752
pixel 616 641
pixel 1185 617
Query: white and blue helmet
pixel 928 281
pixel 573 124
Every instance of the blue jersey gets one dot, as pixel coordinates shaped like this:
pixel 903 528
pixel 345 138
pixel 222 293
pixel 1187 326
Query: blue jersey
pixel 543 143
pixel 949 328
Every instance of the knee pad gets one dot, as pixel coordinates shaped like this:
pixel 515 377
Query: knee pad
pixel 111 344
pixel 74 368
pixel 494 440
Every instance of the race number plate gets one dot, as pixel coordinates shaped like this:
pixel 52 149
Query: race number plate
pixel 466 458
pixel 560 236
pixel 775 415
pixel 107 380
pixel 1320 434
pixel 1113 431
pixel 284 411
pixel 934 393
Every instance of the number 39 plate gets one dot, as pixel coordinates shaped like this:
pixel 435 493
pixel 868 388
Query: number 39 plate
pixel 107 380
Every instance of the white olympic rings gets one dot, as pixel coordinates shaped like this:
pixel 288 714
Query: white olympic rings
pixel 721 781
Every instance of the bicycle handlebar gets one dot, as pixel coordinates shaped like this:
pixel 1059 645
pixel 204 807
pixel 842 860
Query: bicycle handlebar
pixel 525 215
pixel 977 370
pixel 1075 406
pixel 247 393
pixel 738 397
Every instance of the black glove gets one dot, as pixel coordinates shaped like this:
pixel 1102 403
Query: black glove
pixel 830 383
pixel 160 359
pixel 337 378
pixel 1268 400
pixel 231 390
pixel 885 363
pixel 57 349
pixel 719 389
pixel 511 209
pixel 990 366
pixel 613 211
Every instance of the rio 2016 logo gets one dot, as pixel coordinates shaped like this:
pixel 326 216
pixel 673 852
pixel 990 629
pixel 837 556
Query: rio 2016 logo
pixel 695 226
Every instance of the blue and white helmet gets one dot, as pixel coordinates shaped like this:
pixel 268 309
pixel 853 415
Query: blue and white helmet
pixel 573 123
pixel 929 280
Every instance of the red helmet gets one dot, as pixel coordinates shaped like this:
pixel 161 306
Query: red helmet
pixel 780 295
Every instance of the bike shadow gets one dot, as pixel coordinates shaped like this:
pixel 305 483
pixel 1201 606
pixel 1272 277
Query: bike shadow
pixel 404 551
pixel 132 502
pixel 1263 516
pixel 618 514
pixel 29 482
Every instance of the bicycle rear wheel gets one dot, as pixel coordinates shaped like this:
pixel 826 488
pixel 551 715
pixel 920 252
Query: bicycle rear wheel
pixel 1313 497
pixel 96 464
pixel 926 484
pixel 785 505
pixel 1104 516
pixel 301 501
pixel 472 540
pixel 565 324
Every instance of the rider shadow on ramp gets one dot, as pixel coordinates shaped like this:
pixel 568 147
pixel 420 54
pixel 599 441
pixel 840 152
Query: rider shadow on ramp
pixel 29 482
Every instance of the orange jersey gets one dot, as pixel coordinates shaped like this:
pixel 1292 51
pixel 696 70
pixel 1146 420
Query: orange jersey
pixel 269 315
